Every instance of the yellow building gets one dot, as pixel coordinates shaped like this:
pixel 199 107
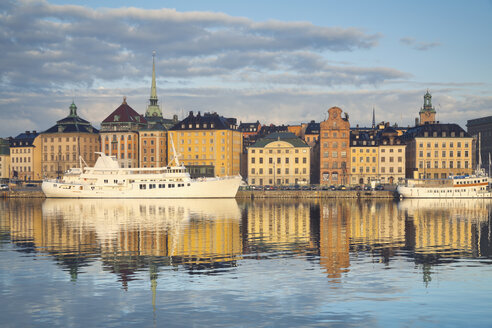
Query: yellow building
pixel 279 159
pixel 119 135
pixel 4 159
pixel 207 141
pixel 435 151
pixel 64 143
pixel 25 157
pixel 364 158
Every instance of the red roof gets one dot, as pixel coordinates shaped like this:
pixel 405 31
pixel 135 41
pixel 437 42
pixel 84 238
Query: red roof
pixel 125 114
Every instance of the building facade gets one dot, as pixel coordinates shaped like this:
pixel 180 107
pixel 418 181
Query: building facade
pixel 481 130
pixel 4 159
pixel 279 159
pixel 435 151
pixel 64 143
pixel 120 135
pixel 207 141
pixel 25 157
pixel 364 157
pixel 153 147
pixel 391 149
pixel 334 148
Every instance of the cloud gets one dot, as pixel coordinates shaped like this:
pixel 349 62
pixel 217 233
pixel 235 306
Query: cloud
pixel 419 45
pixel 49 46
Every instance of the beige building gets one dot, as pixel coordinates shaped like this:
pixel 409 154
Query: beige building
pixel 435 151
pixel 279 159
pixel 391 166
pixel 4 159
pixel 25 157
pixel 63 144
pixel 120 137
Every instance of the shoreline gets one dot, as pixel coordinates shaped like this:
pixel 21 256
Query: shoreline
pixel 250 194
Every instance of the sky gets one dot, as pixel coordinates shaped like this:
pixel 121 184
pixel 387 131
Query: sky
pixel 280 62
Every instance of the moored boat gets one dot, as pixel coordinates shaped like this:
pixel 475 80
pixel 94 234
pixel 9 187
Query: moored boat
pixel 464 186
pixel 107 180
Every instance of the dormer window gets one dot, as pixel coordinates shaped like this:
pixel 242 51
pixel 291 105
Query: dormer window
pixel 137 118
pixel 190 126
pixel 182 126
pixel 434 134
pixel 212 125
pixel 116 118
pixel 452 134
pixel 444 133
pixel 197 125
pixel 426 134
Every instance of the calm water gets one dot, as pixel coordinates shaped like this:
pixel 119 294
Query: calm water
pixel 200 263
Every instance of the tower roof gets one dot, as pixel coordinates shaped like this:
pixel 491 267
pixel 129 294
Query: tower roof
pixel 124 114
pixel 427 103
pixel 72 123
pixel 153 109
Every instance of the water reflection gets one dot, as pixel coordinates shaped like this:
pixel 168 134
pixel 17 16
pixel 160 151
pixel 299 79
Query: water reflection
pixel 211 236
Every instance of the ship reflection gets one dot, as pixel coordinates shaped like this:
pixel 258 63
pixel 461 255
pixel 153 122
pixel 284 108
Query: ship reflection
pixel 128 235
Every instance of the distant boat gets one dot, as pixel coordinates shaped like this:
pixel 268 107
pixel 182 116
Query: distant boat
pixel 464 186
pixel 107 180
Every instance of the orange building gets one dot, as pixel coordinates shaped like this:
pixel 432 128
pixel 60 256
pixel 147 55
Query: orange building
pixel 120 137
pixel 334 148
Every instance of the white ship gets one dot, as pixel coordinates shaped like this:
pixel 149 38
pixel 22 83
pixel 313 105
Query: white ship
pixel 465 186
pixel 107 180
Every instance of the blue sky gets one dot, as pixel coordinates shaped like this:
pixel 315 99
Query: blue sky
pixel 276 62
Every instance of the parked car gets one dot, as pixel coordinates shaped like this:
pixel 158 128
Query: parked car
pixel 341 187
pixel 356 188
pixel 30 185
pixel 379 187
pixel 4 187
pixel 332 187
pixel 367 188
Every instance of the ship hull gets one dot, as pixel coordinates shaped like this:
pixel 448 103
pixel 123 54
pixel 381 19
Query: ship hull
pixel 442 192
pixel 200 188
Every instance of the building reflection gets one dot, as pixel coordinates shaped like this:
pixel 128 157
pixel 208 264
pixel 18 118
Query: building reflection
pixel 280 225
pixel 207 236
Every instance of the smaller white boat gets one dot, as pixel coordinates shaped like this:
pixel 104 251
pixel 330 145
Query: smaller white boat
pixel 107 180
pixel 463 186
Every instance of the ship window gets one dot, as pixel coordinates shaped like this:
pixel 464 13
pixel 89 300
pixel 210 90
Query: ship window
pixel 152 186
pixel 105 181
pixel 188 184
pixel 142 186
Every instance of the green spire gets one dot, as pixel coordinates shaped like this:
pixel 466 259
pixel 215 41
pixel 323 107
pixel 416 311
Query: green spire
pixel 153 108
pixel 73 110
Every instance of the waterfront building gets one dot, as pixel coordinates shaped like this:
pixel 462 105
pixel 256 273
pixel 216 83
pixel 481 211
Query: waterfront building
pixel 334 148
pixel 250 133
pixel 65 142
pixel 482 127
pixel 364 157
pixel 391 156
pixel 25 157
pixel 435 151
pixel 4 159
pixel 207 144
pixel 120 135
pixel 279 159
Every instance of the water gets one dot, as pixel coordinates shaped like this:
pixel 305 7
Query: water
pixel 262 263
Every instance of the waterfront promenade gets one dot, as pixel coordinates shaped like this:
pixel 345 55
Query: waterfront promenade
pixel 246 194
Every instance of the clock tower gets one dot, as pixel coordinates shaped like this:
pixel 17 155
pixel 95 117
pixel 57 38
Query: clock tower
pixel 427 113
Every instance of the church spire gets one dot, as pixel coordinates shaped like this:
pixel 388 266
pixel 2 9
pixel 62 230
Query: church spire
pixel 153 89
pixel 153 109
pixel 373 118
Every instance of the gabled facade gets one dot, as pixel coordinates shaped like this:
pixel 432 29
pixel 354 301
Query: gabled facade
pixel 279 159
pixel 120 137
pixel 63 144
pixel 334 148
pixel 207 141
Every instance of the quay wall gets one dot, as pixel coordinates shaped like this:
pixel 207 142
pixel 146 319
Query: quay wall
pixel 251 194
